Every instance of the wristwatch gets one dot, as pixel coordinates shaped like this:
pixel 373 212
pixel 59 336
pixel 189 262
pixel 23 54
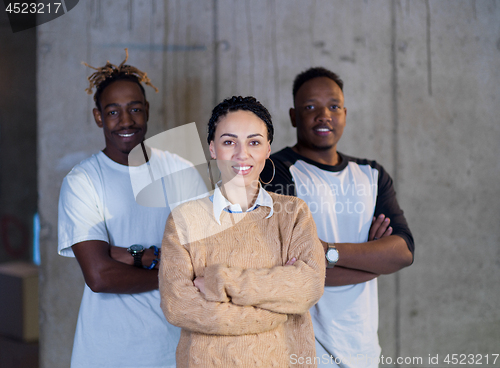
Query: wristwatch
pixel 136 250
pixel 332 255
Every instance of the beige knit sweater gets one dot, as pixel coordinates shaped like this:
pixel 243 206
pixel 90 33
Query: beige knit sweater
pixel 255 311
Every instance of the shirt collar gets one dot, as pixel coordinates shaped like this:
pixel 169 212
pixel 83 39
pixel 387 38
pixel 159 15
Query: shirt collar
pixel 221 203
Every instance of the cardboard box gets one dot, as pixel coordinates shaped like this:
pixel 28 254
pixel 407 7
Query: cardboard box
pixel 18 354
pixel 19 301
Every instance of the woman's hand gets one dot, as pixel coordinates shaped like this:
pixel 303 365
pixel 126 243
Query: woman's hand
pixel 199 283
pixel 291 262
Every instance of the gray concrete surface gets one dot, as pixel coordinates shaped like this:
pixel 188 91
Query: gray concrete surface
pixel 421 85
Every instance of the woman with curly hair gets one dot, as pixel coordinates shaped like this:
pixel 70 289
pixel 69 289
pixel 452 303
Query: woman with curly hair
pixel 240 269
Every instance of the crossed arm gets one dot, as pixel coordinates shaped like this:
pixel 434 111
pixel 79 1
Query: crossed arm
pixel 109 269
pixel 383 253
pixel 184 306
pixel 235 301
pixel 289 289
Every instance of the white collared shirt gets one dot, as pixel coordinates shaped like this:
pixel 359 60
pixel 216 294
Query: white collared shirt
pixel 221 203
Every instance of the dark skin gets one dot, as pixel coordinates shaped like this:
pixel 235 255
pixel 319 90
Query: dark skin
pixel 319 115
pixel 109 269
pixel 103 274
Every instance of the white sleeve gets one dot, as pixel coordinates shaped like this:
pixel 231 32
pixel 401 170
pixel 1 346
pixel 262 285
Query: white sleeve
pixel 81 214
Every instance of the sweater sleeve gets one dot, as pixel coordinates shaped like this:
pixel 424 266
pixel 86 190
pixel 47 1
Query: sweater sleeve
pixel 283 289
pixel 184 306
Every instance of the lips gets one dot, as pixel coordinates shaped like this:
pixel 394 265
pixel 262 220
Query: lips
pixel 127 133
pixel 242 169
pixel 322 130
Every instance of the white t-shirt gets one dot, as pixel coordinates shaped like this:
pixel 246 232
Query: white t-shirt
pixel 97 202
pixel 342 199
pixel 345 319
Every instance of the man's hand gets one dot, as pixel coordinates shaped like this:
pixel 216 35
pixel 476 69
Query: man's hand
pixel 380 228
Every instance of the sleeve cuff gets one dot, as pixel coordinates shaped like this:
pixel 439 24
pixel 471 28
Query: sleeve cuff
pixel 214 284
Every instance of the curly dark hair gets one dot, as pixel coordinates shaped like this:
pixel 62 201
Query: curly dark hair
pixel 316 72
pixel 237 103
pixel 109 73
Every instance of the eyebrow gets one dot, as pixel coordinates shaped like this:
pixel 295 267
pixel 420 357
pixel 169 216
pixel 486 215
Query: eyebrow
pixel 315 99
pixel 128 104
pixel 235 136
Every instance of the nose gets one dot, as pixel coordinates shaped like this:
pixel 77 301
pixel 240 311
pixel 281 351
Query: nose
pixel 324 114
pixel 126 119
pixel 241 152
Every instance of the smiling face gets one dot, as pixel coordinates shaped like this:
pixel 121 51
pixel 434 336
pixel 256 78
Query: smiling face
pixel 241 148
pixel 123 118
pixel 319 116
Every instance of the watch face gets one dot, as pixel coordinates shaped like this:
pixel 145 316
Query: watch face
pixel 135 248
pixel 332 255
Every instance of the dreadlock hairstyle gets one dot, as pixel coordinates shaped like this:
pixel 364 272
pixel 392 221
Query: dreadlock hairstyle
pixel 316 72
pixel 109 73
pixel 237 103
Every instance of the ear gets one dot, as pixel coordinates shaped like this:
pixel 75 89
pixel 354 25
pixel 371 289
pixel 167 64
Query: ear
pixel 97 117
pixel 291 112
pixel 212 150
pixel 268 150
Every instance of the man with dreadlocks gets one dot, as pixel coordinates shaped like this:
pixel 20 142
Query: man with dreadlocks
pixel 120 323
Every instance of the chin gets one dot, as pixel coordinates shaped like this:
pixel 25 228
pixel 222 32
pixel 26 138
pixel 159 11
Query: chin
pixel 326 147
pixel 243 182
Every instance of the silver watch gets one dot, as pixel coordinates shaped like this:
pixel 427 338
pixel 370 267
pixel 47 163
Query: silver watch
pixel 332 255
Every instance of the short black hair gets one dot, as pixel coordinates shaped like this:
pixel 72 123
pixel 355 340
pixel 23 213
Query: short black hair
pixel 312 73
pixel 237 103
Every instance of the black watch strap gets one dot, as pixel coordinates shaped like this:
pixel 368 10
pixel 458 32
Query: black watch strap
pixel 138 259
pixel 136 251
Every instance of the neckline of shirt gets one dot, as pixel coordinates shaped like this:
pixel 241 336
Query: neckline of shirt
pixel 125 168
pixel 332 168
pixel 221 203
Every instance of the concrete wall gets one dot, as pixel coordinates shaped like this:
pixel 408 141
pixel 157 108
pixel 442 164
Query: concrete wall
pixel 421 85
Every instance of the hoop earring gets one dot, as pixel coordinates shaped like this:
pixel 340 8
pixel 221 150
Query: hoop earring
pixel 274 172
